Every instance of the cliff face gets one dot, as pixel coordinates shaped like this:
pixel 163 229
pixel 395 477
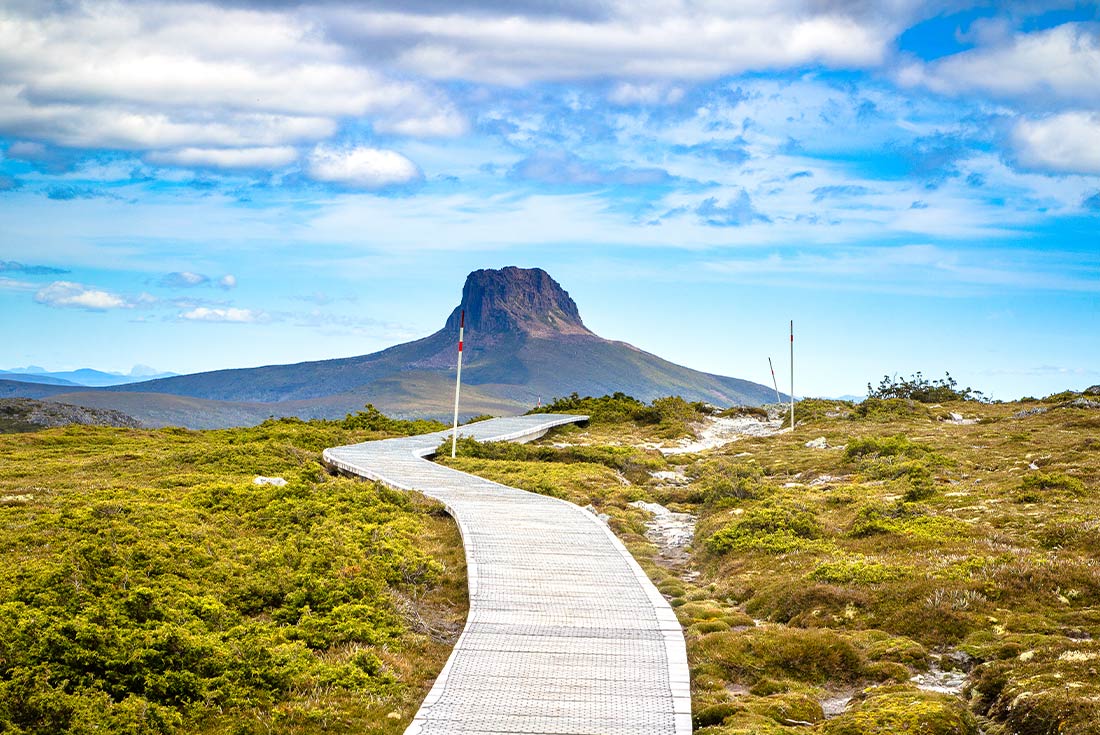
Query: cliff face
pixel 514 301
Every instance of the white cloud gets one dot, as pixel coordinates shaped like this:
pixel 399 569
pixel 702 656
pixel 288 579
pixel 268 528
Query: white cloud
pixel 13 284
pixel 183 279
pixel 632 41
pixel 1060 65
pixel 228 281
pixel 227 314
pixel 79 296
pixel 367 168
pixel 269 157
pixel 1066 143
pixel 149 76
pixel 626 93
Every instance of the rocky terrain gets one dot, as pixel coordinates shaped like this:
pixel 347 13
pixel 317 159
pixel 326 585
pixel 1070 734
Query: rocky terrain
pixel 27 414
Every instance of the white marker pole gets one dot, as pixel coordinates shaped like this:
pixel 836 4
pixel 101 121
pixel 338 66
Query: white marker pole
pixel 774 383
pixel 792 375
pixel 458 381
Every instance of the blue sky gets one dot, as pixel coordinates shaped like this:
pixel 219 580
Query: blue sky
pixel 203 185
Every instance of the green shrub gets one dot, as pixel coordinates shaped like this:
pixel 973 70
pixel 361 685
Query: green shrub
pixel 371 419
pixel 773 529
pixel 1035 482
pixel 918 388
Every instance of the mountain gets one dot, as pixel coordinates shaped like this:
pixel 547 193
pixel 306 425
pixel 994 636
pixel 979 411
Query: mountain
pixel 524 340
pixel 32 378
pixel 86 377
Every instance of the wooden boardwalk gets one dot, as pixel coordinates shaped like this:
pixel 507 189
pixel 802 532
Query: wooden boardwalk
pixel 566 635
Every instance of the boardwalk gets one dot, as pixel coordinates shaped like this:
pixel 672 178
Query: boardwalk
pixel 566 635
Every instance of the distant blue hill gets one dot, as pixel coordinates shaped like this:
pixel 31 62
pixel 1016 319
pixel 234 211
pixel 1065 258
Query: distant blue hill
pixel 86 377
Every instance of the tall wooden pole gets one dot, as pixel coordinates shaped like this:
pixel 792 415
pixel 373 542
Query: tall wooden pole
pixel 792 375
pixel 458 380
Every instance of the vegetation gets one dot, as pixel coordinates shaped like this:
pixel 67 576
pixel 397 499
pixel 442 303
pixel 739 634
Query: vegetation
pixel 918 388
pixel 151 587
pixel 671 416
pixel 918 545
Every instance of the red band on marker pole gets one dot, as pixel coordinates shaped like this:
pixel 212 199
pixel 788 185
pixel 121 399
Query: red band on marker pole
pixel 462 319
pixel 460 345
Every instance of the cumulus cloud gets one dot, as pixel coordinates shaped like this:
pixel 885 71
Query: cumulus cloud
pixel 1060 64
pixel 262 157
pixel 183 279
pixel 227 314
pixel 1065 143
pixel 155 76
pixel 79 296
pixel 361 167
pixel 227 281
pixel 564 168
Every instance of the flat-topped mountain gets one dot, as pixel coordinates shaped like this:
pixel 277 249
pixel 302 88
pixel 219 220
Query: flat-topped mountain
pixel 525 340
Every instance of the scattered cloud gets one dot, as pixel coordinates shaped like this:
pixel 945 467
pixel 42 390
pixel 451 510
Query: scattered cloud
pixel 1064 143
pixel 361 167
pixel 30 270
pixel 835 191
pixel 564 168
pixel 627 93
pixel 67 193
pixel 78 296
pixel 227 281
pixel 733 152
pixel 737 212
pixel 8 183
pixel 227 314
pixel 1092 203
pixel 183 279
pixel 228 158
pixel 13 284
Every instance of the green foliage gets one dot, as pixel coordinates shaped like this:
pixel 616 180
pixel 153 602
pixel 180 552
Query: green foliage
pixel 858 570
pixel 892 446
pixel 903 708
pixel 153 588
pixel 773 529
pixel 635 464
pixel 918 388
pixel 371 419
pixel 890 409
pixel 809 655
pixel 1037 482
pixel 671 415
pixel 724 481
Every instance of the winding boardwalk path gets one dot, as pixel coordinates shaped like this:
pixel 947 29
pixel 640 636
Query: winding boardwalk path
pixel 566 635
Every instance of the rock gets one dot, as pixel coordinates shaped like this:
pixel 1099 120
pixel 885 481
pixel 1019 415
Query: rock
pixel 671 477
pixel 276 481
pixel 818 443
pixel 955 416
pixel 28 414
pixel 1037 410
pixel 1092 390
pixel 602 516
pixel 1033 466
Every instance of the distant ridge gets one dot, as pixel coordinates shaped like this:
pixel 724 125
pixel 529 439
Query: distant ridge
pixel 525 340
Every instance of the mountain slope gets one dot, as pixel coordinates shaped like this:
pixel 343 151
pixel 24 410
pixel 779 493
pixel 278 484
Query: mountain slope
pixel 525 339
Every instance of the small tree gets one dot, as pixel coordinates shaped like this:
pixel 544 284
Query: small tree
pixel 920 389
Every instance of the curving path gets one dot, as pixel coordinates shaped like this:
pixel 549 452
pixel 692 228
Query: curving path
pixel 566 635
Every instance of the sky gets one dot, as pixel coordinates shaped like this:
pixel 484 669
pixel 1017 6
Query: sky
pixel 194 186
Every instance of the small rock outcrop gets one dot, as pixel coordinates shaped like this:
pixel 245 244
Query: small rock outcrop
pixel 28 414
